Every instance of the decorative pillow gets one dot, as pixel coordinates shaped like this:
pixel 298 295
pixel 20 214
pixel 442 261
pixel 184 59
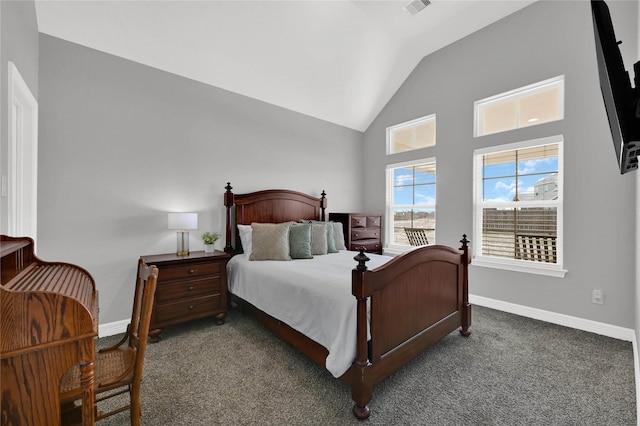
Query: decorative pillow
pixel 300 241
pixel 245 238
pixel 319 238
pixel 338 236
pixel 270 241
pixel 331 245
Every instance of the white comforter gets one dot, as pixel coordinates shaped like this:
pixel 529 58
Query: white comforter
pixel 313 296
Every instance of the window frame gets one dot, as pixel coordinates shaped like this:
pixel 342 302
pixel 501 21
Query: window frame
pixel 550 269
pixel 411 123
pixel 391 248
pixel 516 94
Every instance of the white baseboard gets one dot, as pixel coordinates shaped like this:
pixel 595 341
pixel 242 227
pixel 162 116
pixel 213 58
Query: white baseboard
pixel 608 330
pixel 112 328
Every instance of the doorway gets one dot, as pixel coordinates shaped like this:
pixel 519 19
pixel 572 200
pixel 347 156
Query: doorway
pixel 21 183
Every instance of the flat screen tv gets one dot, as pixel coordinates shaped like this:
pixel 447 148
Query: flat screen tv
pixel 620 99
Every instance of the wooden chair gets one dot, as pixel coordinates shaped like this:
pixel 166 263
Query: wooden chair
pixel 539 248
pixel 417 236
pixel 118 369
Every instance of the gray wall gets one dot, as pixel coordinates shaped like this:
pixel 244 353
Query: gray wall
pixel 544 40
pixel 19 44
pixel 122 144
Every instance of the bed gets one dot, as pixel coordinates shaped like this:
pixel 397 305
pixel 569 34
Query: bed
pixel 395 307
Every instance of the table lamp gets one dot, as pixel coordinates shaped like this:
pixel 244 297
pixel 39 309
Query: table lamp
pixel 183 222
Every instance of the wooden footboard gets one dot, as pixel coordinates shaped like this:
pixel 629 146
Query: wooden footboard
pixel 415 300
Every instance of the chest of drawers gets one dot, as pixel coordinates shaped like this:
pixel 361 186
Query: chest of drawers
pixel 189 287
pixel 361 230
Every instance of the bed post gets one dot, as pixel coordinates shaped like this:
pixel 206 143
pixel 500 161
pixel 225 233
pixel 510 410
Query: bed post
pixel 361 387
pixel 323 205
pixel 228 202
pixel 466 307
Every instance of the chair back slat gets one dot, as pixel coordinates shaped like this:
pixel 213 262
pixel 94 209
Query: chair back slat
pixel 143 307
pixel 417 236
pixel 537 248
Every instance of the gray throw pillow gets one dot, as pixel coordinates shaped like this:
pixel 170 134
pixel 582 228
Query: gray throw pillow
pixel 318 238
pixel 331 244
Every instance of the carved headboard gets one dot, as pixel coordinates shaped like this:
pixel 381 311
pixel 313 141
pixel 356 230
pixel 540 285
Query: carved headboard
pixel 269 206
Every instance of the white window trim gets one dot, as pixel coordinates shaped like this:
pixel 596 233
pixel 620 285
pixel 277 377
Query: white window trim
pixel 396 249
pixel 408 124
pixel 478 131
pixel 549 269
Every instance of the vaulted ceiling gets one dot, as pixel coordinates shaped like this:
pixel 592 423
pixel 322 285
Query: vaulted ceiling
pixel 339 61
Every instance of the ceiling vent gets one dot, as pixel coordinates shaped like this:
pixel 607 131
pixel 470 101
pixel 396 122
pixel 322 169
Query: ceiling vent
pixel 415 6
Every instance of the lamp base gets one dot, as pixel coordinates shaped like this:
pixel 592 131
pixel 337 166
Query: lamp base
pixel 183 243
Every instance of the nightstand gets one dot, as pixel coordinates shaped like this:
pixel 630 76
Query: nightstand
pixel 189 287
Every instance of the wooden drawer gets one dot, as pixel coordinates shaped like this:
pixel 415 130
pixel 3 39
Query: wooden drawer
pixel 189 309
pixel 369 245
pixel 187 289
pixel 358 221
pixel 189 271
pixel 365 233
pixel 373 221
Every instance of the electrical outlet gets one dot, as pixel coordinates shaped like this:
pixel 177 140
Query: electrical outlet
pixel 597 297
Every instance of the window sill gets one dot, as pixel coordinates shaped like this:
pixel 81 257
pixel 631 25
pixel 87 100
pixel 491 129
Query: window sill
pixel 520 266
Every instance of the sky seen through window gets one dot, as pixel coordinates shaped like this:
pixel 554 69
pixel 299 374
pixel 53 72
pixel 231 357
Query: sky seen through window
pixel 499 179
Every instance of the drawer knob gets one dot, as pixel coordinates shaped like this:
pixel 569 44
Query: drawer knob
pixel 191 306
pixel 191 288
pixel 191 271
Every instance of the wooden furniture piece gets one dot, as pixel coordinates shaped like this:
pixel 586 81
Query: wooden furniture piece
pixel 361 230
pixel 417 236
pixel 189 287
pixel 48 322
pixel 414 299
pixel 118 369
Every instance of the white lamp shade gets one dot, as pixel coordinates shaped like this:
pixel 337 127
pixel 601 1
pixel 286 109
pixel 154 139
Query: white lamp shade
pixel 183 220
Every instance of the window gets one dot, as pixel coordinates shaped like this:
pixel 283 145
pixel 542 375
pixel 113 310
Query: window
pixel 415 134
pixel 411 204
pixel 528 106
pixel 518 206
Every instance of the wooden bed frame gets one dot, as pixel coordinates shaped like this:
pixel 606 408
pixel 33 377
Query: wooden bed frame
pixel 415 299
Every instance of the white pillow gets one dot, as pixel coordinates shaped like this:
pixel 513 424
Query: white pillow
pixel 245 238
pixel 338 236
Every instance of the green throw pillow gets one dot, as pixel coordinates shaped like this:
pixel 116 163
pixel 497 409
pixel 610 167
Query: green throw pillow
pixel 300 241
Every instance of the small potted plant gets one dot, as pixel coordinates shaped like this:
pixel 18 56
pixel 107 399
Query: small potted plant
pixel 209 240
